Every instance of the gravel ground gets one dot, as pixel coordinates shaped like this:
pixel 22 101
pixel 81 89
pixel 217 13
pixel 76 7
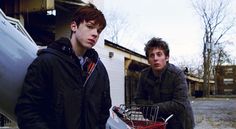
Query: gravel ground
pixel 214 113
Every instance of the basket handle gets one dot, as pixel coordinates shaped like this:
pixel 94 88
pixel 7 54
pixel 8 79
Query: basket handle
pixel 168 118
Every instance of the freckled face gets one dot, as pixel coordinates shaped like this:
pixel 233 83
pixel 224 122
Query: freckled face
pixel 157 59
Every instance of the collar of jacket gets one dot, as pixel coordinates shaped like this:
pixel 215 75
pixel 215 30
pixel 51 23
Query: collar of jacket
pixel 161 74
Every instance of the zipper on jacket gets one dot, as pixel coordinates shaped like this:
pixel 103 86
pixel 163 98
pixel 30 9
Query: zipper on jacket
pixel 87 78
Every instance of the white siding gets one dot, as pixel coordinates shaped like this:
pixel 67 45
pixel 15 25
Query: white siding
pixel 115 69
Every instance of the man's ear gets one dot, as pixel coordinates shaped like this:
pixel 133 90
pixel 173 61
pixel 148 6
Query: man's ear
pixel 167 58
pixel 73 26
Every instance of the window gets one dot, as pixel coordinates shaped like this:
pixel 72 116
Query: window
pixel 228 81
pixel 228 71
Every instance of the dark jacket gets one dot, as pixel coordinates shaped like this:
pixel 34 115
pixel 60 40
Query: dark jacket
pixel 58 93
pixel 169 92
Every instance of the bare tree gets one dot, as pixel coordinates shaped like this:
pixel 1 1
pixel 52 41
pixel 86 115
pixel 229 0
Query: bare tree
pixel 123 31
pixel 116 23
pixel 220 56
pixel 216 23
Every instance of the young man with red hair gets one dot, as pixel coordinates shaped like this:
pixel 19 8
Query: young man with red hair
pixel 67 85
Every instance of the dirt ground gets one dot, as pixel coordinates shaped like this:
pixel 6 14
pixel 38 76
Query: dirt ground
pixel 214 113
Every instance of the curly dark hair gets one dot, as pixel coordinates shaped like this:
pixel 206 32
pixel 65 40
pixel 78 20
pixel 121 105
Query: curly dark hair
pixel 156 43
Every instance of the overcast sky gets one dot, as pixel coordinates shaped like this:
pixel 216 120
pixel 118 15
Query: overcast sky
pixel 173 20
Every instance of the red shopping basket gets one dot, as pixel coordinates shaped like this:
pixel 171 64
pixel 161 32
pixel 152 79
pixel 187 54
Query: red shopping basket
pixel 139 124
pixel 140 116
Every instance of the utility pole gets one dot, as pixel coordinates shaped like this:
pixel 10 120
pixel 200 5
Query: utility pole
pixel 209 48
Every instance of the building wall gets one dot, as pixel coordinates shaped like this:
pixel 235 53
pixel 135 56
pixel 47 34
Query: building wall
pixel 115 69
pixel 226 79
pixel 123 82
pixel 195 86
